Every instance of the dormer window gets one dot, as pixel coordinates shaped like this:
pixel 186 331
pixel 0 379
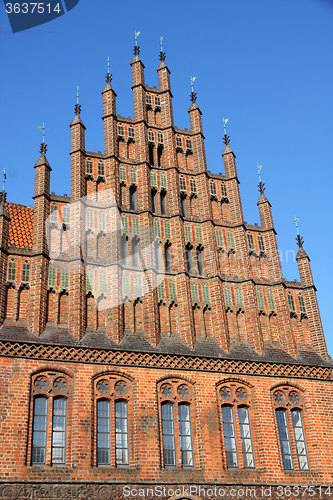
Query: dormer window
pixel 131 132
pixel 193 186
pixel 89 167
pixel 157 100
pixel 151 136
pixel 188 143
pixel 120 131
pixel 182 183
pixel 213 187
pixel 100 169
pixel 178 141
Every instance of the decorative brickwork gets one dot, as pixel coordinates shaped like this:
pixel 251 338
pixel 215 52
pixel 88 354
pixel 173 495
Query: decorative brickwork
pixel 147 335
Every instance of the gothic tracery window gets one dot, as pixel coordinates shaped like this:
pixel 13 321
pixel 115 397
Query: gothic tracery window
pixel 235 401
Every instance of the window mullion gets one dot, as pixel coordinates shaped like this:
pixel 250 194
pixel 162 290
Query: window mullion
pixel 177 436
pixel 112 443
pixel 48 460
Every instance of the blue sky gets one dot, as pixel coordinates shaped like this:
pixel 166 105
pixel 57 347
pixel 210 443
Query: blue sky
pixel 267 66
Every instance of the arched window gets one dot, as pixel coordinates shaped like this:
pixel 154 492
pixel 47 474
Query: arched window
pixel 112 396
pixel 235 403
pixel 51 393
pixel 176 398
pixel 289 403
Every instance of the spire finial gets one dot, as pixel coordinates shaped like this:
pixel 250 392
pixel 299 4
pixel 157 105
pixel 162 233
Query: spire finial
pixel 108 77
pixel 162 54
pixel 42 127
pixel 4 179
pixel 136 48
pixel 296 224
pixel 193 94
pixel 77 107
pixel 259 167
pixel 226 137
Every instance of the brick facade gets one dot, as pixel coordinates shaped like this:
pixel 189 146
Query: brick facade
pixel 146 287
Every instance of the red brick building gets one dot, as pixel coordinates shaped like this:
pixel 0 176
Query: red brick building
pixel 149 342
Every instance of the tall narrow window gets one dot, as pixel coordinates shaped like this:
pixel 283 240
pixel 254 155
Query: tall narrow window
pixel 54 213
pixel 103 432
pixel 131 132
pixel 135 252
pixel 183 204
pixel 167 254
pixel 133 200
pixel 120 130
pixel 66 214
pixel 121 413
pixel 223 190
pixel 250 240
pixel 178 142
pixel 59 432
pixel 291 302
pixel 301 304
pixel 229 436
pixel 182 183
pixel 153 200
pixel 193 185
pixel 157 101
pixel 25 271
pixel 246 438
pixel 151 154
pixel 124 251
pixel 168 431
pixel 160 138
pixel 157 255
pixel 101 168
pixel 302 455
pixel 188 143
pixel 11 271
pixel 261 243
pixel 185 434
pixel 189 260
pixel 89 167
pixel 212 187
pixel 39 431
pixel 281 417
pixel 159 155
pixel 200 262
pixel 163 203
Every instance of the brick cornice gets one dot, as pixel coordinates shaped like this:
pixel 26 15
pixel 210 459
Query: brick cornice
pixel 164 361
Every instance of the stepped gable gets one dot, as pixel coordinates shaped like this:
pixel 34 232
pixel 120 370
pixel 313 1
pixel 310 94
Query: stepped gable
pixel 21 225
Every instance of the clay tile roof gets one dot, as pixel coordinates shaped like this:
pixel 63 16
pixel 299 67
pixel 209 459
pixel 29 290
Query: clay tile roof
pixel 20 225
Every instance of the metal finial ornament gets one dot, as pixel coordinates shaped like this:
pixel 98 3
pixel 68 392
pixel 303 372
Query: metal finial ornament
pixel 259 167
pixel 299 241
pixel 42 127
pixel 77 107
pixel 43 149
pixel 4 179
pixel 296 224
pixel 225 121
pixel 261 187
pixel 192 81
pixel 226 137
pixel 136 34
pixel 162 54
pixel 108 77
